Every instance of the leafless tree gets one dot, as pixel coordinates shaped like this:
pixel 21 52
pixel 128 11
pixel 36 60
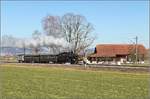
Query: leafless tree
pixel 36 37
pixel 52 27
pixel 77 31
pixel 8 41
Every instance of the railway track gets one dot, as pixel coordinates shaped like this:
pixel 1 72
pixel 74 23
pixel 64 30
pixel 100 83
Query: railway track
pixel 124 68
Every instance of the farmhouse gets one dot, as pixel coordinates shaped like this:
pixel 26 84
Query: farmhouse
pixel 114 53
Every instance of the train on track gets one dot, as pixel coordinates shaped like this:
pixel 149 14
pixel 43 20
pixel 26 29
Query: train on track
pixel 65 57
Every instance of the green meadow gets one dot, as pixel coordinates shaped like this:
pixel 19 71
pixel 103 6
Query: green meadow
pixel 30 82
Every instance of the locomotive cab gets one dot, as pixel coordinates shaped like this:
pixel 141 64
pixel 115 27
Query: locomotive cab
pixel 20 58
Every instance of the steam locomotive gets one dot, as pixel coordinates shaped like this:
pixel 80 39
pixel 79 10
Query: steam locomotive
pixel 65 57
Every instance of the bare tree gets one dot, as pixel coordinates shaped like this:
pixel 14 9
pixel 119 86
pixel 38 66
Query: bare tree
pixel 8 41
pixel 77 31
pixel 35 46
pixel 52 27
pixel 36 35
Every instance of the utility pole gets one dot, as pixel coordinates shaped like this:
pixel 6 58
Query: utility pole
pixel 0 46
pixel 136 48
pixel 24 49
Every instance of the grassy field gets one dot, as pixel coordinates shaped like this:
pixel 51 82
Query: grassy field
pixel 145 64
pixel 67 83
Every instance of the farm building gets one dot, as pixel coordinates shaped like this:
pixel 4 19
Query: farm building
pixel 122 53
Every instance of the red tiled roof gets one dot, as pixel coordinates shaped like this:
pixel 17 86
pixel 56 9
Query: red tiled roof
pixel 111 50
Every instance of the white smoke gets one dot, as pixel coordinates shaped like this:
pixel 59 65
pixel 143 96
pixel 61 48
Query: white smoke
pixel 40 41
pixel 46 41
pixel 50 40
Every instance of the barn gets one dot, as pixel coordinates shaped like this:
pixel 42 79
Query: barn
pixel 113 53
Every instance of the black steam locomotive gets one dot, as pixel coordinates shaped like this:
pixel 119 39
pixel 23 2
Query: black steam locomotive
pixel 65 57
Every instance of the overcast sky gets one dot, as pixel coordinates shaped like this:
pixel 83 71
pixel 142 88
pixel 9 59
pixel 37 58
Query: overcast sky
pixel 114 21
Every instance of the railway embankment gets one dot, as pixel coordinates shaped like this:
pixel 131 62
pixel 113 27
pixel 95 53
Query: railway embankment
pixel 123 68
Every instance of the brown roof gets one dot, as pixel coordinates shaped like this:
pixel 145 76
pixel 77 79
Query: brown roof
pixel 111 50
